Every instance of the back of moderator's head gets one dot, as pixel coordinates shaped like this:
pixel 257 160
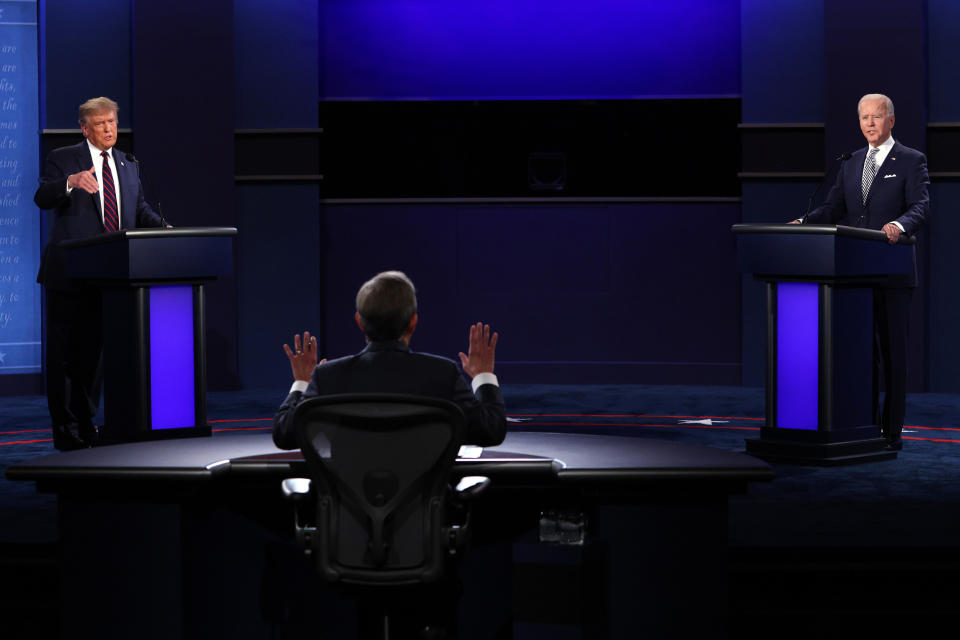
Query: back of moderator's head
pixel 386 303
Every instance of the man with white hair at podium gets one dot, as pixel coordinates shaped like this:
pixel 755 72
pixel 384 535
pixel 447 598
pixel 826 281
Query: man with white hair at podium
pixel 883 186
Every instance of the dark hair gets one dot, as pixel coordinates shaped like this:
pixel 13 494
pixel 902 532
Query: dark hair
pixel 386 303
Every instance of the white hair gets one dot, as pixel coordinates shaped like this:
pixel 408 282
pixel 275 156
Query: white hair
pixel 887 102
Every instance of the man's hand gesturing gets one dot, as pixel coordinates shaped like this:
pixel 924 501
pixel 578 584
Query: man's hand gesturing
pixel 86 180
pixel 303 359
pixel 481 353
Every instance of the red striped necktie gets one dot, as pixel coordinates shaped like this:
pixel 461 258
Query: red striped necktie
pixel 111 219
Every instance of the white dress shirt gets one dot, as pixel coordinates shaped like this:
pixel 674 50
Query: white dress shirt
pixel 882 151
pixel 478 380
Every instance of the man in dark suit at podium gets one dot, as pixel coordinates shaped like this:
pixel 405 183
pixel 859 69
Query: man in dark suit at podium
pixel 387 315
pixel 883 186
pixel 92 188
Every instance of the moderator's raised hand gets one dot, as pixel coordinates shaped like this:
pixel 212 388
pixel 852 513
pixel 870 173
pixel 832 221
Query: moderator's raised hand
pixel 481 352
pixel 303 357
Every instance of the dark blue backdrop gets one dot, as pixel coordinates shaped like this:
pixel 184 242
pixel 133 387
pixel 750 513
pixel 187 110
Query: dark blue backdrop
pixel 250 64
pixel 86 53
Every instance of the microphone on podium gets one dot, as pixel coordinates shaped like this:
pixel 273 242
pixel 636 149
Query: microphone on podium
pixel 843 157
pixel 132 158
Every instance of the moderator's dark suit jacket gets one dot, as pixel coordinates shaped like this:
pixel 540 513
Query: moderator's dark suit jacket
pixel 78 215
pixel 899 192
pixel 390 367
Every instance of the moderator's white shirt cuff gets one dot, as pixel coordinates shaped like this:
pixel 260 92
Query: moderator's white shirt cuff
pixel 299 385
pixel 69 189
pixel 484 378
pixel 898 224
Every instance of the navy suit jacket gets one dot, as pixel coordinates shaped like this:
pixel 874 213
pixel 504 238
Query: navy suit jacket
pixel 390 367
pixel 78 215
pixel 899 192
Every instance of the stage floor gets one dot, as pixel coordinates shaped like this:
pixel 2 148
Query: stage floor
pixel 908 502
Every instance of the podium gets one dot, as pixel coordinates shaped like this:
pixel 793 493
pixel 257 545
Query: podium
pixel 820 387
pixel 154 356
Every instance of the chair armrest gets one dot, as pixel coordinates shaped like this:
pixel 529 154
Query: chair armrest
pixel 468 489
pixel 471 487
pixel 296 489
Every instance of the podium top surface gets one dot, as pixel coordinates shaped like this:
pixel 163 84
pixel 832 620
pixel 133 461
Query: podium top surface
pixel 135 234
pixel 820 229
pixel 147 255
pixel 824 252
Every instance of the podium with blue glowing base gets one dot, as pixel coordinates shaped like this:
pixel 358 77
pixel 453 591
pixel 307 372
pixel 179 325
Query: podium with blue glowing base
pixel 820 387
pixel 154 355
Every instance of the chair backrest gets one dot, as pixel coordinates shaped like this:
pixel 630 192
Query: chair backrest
pixel 380 466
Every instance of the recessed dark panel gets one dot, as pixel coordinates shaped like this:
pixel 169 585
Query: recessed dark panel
pixel 782 149
pixel 622 148
pixel 19 384
pixel 277 153
pixel 943 148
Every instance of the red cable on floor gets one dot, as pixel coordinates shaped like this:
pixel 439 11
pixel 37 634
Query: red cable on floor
pixel 4 444
pixel 617 415
pixel 637 424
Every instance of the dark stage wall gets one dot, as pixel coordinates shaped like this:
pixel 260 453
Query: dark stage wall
pixel 576 290
pixel 500 207
pixel 254 97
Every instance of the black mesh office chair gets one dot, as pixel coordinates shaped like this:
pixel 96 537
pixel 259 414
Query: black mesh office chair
pixel 375 513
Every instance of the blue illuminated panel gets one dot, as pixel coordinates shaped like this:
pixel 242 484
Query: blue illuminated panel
pixel 172 391
pixel 528 49
pixel 20 235
pixel 798 348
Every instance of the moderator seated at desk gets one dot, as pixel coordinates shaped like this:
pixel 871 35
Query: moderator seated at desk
pixel 387 316
pixel 176 537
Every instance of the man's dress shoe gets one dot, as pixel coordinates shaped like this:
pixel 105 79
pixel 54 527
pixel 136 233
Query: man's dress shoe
pixel 89 435
pixel 65 440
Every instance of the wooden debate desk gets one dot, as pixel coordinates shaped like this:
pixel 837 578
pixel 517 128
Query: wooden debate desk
pixel 167 538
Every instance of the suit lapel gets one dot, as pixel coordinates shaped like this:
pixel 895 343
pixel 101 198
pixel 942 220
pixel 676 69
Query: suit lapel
pixel 126 172
pixel 86 163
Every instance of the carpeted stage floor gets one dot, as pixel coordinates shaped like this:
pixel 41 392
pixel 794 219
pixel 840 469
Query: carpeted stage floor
pixel 885 535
